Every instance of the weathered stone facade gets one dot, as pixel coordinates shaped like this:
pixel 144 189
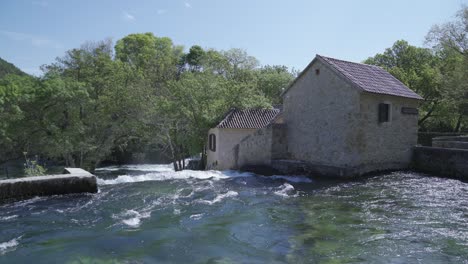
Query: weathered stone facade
pixel 226 138
pixel 322 113
pixel 338 125
pixel 386 145
pixel 332 125
pixel 261 147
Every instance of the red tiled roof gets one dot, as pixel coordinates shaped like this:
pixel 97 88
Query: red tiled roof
pixel 248 118
pixel 371 78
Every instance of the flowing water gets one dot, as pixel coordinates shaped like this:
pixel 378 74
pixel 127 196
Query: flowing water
pixel 151 214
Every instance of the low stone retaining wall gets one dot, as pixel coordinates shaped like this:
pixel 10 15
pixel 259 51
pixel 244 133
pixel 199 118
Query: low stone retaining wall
pixel 425 138
pixel 441 161
pixel 77 181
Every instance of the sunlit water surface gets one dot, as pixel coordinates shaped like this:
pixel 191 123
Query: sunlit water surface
pixel 151 214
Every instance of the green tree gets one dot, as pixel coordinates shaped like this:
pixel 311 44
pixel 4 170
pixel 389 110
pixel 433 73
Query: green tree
pixel 271 80
pixel 418 69
pixel 450 41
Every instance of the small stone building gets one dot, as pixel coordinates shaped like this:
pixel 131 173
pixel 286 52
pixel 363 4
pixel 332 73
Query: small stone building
pixel 339 118
pixel 236 125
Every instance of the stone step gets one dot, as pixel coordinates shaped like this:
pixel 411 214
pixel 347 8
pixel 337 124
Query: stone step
pixel 450 144
pixel 451 138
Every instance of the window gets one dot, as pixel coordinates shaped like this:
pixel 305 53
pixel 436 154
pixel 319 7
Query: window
pixel 212 142
pixel 384 113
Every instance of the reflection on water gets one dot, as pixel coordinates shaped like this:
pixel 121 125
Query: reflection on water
pixel 149 213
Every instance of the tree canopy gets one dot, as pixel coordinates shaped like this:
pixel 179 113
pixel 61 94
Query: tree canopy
pixel 144 92
pixel 439 73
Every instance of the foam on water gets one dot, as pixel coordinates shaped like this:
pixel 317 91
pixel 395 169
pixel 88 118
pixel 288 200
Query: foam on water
pixel 220 197
pixel 9 245
pixel 139 167
pixel 6 218
pixel 173 175
pixel 133 218
pixel 286 190
pixel 196 216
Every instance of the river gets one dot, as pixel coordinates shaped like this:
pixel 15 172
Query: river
pixel 151 214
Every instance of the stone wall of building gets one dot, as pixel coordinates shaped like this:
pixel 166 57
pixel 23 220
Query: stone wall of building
pixel 226 139
pixel 332 123
pixel 254 149
pixel 387 145
pixel 259 148
pixel 321 111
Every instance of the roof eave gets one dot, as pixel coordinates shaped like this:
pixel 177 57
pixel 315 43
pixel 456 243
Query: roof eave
pixel 419 98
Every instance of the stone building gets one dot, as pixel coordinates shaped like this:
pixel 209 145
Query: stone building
pixel 236 125
pixel 339 118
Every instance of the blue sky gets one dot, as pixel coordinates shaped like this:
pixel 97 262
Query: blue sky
pixel 289 32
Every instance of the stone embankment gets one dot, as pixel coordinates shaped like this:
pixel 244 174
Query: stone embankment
pixel 447 157
pixel 73 180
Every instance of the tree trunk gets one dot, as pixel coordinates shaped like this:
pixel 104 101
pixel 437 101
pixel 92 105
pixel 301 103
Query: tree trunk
pixel 180 165
pixel 458 125
pixel 81 158
pixel 176 168
pixel 428 114
pixel 203 159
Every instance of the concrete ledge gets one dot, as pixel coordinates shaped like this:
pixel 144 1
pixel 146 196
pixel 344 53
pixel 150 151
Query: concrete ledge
pixel 442 161
pixel 78 181
pixel 451 138
pixel 450 144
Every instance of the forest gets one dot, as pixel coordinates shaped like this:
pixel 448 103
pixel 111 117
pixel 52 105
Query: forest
pixel 117 102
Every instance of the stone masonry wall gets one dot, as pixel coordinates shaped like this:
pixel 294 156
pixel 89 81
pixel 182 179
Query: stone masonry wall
pixel 321 110
pixel 226 139
pixel 332 123
pixel 261 147
pixel 441 161
pixel 387 145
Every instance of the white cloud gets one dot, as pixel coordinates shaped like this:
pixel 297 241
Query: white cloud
pixel 161 11
pixel 187 5
pixel 127 16
pixel 34 40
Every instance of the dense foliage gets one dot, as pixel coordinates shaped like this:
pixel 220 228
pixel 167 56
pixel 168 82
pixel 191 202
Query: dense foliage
pixel 147 94
pixel 439 74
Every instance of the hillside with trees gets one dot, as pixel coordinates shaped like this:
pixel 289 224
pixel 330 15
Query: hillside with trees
pixel 9 68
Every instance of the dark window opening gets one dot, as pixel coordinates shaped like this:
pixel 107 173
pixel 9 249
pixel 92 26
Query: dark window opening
pixel 212 142
pixel 317 71
pixel 384 113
